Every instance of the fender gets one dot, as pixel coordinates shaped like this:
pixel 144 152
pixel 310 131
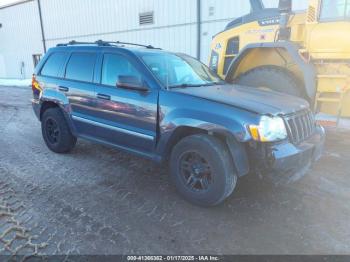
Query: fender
pixel 308 69
pixel 212 122
pixel 51 95
pixel 193 121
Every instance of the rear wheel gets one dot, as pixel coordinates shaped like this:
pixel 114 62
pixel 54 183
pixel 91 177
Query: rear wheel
pixel 56 132
pixel 272 77
pixel 202 170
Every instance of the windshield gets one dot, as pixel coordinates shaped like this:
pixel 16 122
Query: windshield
pixel 175 70
pixel 335 9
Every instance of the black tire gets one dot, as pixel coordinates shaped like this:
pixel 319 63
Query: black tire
pixel 56 132
pixel 216 160
pixel 274 78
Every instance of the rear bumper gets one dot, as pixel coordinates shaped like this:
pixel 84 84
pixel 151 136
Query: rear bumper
pixel 286 162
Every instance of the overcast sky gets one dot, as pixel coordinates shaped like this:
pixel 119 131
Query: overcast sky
pixel 6 2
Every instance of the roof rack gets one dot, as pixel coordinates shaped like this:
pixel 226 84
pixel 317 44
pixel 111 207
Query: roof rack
pixel 106 43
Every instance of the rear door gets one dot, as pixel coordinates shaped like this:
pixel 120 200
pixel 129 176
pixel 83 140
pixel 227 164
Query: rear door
pixel 78 86
pixel 125 117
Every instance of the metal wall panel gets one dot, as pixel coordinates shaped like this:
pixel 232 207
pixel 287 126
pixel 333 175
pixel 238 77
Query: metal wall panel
pixel 20 38
pixel 297 4
pixel 300 4
pixel 2 66
pixel 174 27
pixel 119 20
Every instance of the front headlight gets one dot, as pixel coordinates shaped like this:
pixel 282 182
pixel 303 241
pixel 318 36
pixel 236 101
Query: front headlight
pixel 270 129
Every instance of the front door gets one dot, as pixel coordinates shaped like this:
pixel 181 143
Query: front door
pixel 125 117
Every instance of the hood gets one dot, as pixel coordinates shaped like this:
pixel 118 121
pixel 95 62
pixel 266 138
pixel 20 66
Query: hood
pixel 257 100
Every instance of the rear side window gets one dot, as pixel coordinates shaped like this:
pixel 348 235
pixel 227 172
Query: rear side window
pixel 54 64
pixel 115 66
pixel 81 67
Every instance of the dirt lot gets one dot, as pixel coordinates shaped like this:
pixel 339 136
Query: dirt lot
pixel 101 201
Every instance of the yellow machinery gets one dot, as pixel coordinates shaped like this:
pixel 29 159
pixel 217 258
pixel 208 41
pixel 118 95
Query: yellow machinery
pixel 305 54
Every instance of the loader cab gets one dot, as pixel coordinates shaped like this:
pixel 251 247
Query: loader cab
pixel 311 45
pixel 327 27
pixel 257 26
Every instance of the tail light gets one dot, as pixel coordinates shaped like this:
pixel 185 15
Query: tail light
pixel 36 87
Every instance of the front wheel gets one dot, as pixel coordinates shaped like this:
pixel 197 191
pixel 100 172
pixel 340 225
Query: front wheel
pixel 202 170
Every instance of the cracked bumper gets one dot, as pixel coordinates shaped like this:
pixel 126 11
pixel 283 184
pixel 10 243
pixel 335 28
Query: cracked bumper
pixel 288 162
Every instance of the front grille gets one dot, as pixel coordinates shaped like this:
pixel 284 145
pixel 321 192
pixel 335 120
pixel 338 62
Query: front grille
pixel 300 126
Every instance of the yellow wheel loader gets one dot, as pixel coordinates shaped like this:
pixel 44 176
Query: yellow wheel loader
pixel 305 54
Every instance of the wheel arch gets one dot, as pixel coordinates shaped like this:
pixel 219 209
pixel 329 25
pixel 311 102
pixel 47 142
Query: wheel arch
pixel 237 149
pixel 281 54
pixel 45 105
pixel 53 99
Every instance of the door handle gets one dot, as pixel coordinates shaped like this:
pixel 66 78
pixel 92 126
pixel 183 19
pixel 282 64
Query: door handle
pixel 63 89
pixel 104 97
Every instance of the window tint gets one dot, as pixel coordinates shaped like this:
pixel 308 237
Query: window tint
pixel 81 67
pixel 54 64
pixel 114 66
pixel 335 9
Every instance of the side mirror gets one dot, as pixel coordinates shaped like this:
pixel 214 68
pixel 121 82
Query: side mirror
pixel 131 82
pixel 285 6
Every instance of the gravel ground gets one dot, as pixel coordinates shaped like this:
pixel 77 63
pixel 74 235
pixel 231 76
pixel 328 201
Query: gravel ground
pixel 101 201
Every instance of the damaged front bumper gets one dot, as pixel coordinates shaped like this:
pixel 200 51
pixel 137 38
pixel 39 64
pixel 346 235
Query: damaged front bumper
pixel 286 162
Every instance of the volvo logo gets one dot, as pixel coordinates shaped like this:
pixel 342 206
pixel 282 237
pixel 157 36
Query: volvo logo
pixel 269 21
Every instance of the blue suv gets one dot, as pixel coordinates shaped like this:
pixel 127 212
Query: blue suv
pixel 170 107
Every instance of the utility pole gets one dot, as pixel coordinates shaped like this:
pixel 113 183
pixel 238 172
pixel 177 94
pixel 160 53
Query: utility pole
pixel 199 29
pixel 42 26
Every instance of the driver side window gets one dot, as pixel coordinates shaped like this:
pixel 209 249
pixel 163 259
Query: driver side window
pixel 114 66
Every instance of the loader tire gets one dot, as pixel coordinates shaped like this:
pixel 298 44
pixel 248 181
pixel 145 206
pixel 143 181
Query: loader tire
pixel 274 78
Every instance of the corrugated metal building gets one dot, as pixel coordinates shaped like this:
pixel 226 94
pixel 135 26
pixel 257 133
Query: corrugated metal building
pixel 169 24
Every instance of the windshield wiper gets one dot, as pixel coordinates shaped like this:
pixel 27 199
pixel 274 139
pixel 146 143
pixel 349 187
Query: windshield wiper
pixel 219 83
pixel 192 85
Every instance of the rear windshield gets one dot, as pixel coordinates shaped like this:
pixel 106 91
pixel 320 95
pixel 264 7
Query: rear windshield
pixel 54 64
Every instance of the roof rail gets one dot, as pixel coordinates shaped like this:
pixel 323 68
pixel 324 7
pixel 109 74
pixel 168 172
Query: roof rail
pixel 126 43
pixel 73 42
pixel 106 43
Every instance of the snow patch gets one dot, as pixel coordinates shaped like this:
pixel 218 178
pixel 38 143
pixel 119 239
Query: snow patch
pixel 15 82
